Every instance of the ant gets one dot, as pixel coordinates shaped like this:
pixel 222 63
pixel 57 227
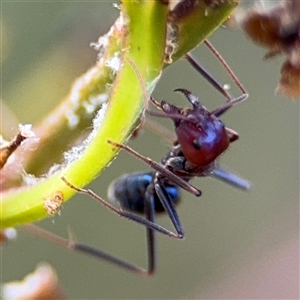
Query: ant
pixel 201 139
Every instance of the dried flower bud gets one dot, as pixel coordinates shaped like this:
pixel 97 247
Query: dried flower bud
pixel 289 84
pixel 278 30
pixel 41 284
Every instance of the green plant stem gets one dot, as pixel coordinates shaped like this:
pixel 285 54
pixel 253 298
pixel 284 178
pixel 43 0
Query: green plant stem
pixel 141 41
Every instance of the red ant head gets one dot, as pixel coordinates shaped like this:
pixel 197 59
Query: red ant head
pixel 201 135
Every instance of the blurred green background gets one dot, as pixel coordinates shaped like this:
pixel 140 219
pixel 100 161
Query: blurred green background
pixel 238 244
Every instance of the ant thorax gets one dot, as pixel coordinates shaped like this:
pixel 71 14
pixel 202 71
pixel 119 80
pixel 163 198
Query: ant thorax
pixel 176 162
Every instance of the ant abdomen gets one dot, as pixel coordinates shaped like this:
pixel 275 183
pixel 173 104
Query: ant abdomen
pixel 129 191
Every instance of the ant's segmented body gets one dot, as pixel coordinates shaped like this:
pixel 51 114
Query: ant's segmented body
pixel 201 139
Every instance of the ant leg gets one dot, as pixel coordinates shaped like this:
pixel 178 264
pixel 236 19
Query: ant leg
pixel 99 254
pixel 197 65
pixel 149 222
pixel 225 65
pixel 151 241
pixel 168 206
pixel 225 175
pixel 122 213
pixel 159 168
pixel 224 107
pixel 207 75
pixel 230 100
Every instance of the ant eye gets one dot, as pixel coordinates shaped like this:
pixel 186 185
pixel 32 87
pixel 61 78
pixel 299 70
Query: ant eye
pixel 196 144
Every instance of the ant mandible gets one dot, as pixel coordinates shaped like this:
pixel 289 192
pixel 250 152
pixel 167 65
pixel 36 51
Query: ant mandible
pixel 201 138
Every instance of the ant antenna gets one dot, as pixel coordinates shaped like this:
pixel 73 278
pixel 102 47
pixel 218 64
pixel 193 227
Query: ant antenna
pixel 147 97
pixel 141 81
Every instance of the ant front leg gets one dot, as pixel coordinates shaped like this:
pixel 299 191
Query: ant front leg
pixel 226 66
pixel 220 110
pixel 207 75
pixel 215 83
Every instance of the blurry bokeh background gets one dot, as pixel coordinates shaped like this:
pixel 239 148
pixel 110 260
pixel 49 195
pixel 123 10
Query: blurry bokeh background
pixel 238 244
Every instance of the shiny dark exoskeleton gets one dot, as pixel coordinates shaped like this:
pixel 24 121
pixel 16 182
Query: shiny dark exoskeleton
pixel 131 189
pixel 201 137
